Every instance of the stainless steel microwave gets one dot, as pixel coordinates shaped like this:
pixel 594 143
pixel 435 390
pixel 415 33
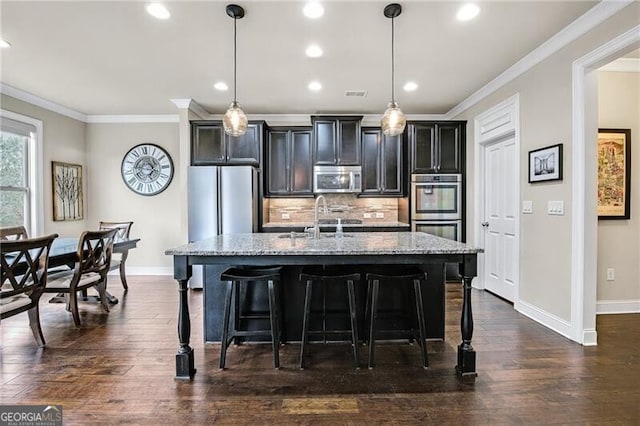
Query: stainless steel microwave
pixel 339 179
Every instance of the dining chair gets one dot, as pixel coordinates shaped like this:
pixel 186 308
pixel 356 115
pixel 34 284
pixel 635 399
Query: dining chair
pixel 118 259
pixel 91 269
pixel 13 233
pixel 24 276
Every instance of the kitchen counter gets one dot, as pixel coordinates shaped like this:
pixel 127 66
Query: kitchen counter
pixel 361 250
pixel 358 244
pixel 344 225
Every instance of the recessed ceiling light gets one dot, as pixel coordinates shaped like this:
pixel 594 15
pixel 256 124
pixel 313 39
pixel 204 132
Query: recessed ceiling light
pixel 313 10
pixel 4 44
pixel 158 10
pixel 221 85
pixel 315 86
pixel 410 86
pixel 467 12
pixel 314 51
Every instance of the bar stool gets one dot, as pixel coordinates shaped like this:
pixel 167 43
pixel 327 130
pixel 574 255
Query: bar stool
pixel 235 276
pixel 394 277
pixel 311 275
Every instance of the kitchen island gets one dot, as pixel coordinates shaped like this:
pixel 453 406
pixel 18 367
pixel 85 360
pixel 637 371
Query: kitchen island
pixel 366 248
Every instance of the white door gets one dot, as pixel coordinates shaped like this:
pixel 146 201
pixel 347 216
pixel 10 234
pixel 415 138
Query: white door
pixel 500 218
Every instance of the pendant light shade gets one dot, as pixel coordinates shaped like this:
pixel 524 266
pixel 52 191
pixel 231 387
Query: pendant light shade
pixel 393 120
pixel 235 121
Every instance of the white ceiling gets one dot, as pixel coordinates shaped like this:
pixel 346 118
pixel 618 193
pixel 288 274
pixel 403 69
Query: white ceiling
pixel 111 57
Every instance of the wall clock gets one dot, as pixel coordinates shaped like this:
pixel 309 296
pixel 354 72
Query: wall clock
pixel 147 169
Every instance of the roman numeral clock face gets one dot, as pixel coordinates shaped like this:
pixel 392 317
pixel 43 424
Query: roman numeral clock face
pixel 147 169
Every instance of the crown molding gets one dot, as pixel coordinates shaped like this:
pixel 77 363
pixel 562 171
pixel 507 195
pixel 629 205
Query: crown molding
pixel 623 65
pixel 148 118
pixel 191 105
pixel 5 89
pixel 592 18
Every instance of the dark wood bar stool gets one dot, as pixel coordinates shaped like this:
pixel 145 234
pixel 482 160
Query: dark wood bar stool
pixel 311 275
pixel 395 277
pixel 235 276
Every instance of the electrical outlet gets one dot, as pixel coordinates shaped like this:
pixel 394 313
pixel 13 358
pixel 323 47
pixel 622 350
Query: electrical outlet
pixel 379 215
pixel 367 215
pixel 285 216
pixel 611 274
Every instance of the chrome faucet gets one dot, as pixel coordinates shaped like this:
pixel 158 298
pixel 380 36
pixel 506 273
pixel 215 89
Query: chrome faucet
pixel 316 226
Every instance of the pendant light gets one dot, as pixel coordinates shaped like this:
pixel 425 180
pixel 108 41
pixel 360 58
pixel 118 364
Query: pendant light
pixel 393 120
pixel 234 120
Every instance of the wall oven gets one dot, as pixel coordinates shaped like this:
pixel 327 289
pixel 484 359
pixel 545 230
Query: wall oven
pixel 339 179
pixel 436 205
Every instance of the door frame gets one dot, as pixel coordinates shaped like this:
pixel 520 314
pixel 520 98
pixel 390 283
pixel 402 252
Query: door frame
pixel 584 220
pixel 493 125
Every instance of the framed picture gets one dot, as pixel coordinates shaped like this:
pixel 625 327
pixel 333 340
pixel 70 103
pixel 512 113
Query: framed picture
pixel 614 173
pixel 545 164
pixel 67 191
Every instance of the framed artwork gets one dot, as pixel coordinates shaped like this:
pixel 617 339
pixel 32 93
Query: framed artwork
pixel 545 164
pixel 67 191
pixel 614 173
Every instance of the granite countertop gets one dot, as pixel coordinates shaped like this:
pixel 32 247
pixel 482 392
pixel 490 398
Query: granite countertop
pixel 361 243
pixel 333 225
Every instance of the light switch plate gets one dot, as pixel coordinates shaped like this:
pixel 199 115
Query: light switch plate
pixel 555 208
pixel 285 216
pixel 527 206
pixel 379 215
pixel 367 215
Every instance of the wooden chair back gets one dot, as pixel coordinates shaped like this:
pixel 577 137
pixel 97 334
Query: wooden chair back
pixel 13 233
pixel 94 252
pixel 123 229
pixel 24 272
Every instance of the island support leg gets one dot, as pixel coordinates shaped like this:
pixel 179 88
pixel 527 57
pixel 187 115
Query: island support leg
pixel 185 362
pixel 466 354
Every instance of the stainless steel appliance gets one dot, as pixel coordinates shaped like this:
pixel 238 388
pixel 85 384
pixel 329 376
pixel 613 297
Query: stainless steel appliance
pixel 222 200
pixel 340 179
pixel 436 205
pixel 436 208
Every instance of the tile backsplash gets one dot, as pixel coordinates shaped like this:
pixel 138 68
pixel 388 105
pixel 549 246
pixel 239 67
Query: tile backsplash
pixel 344 206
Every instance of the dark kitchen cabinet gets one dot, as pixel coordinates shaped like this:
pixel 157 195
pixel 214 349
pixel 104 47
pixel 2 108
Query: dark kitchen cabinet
pixel 336 140
pixel 210 146
pixel 382 164
pixel 289 162
pixel 437 147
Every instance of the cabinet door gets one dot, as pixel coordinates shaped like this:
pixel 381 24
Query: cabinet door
pixel 301 162
pixel 371 140
pixel 449 148
pixel 325 141
pixel 245 149
pixel 348 152
pixel 207 144
pixel 391 165
pixel 277 163
pixel 423 148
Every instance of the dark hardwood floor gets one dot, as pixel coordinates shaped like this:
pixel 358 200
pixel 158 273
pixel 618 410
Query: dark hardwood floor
pixel 119 367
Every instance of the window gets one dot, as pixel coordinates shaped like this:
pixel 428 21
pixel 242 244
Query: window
pixel 21 172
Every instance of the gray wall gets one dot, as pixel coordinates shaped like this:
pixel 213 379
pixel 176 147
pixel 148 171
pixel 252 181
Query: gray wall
pixel 619 240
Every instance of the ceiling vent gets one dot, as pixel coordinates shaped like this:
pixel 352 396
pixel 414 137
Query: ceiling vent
pixel 356 93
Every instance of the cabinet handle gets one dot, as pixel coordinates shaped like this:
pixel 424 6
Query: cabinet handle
pixel 485 224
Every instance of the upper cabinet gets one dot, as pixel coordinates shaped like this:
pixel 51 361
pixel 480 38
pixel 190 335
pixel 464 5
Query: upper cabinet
pixel 289 163
pixel 382 164
pixel 336 140
pixel 210 146
pixel 437 147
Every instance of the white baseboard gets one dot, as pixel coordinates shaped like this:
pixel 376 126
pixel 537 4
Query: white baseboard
pixel 146 270
pixel 589 337
pixel 629 306
pixel 550 321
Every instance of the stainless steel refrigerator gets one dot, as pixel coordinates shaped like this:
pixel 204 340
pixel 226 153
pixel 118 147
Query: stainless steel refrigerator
pixel 222 200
